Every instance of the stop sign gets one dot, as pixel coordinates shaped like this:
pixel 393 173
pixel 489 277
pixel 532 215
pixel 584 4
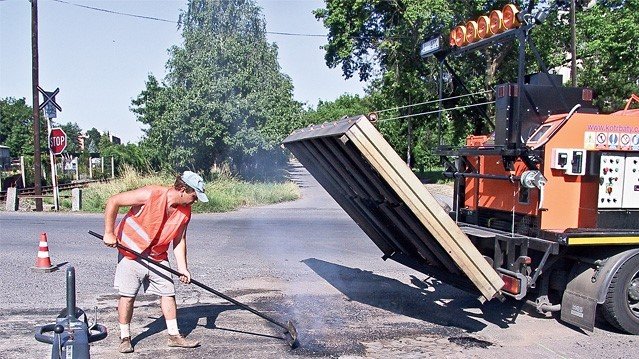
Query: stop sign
pixel 57 140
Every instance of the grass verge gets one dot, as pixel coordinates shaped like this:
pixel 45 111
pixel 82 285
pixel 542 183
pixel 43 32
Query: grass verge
pixel 225 193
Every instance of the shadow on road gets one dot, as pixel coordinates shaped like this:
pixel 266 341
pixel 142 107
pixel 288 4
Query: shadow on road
pixel 430 301
pixel 188 319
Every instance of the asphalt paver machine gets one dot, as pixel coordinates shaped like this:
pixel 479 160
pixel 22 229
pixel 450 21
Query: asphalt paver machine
pixel 545 207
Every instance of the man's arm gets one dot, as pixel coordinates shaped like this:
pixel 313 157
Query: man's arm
pixel 179 250
pixel 130 198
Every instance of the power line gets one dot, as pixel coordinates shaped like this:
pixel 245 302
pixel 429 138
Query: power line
pixel 433 101
pixel 436 111
pixel 294 34
pixel 116 12
pixel 170 21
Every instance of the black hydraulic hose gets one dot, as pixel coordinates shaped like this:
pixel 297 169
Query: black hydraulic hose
pixel 289 329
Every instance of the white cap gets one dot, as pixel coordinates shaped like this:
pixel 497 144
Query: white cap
pixel 196 182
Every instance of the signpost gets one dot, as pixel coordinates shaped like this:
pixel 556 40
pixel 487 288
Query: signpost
pixel 57 137
pixel 57 140
pixel 49 104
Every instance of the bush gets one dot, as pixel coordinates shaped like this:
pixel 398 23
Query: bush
pixel 225 192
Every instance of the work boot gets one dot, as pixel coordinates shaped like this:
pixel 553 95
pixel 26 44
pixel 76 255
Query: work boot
pixel 125 345
pixel 181 342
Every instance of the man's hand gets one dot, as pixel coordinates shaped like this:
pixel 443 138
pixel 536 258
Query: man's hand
pixel 110 240
pixel 185 276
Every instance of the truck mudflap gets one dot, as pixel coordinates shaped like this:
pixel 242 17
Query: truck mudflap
pixel 579 302
pixel 373 185
pixel 588 285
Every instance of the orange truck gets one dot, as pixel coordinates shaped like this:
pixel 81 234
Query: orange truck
pixel 545 208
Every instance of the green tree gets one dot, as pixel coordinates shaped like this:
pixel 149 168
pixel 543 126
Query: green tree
pixel 16 126
pixel 92 144
pixel 345 105
pixel 16 132
pixel 151 108
pixel 609 52
pixel 123 155
pixel 224 98
pixel 379 40
pixel 72 130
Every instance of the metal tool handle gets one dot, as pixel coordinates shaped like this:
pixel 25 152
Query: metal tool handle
pixel 100 333
pixel 201 285
pixel 44 338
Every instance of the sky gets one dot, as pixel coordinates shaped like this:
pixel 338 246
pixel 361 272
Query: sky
pixel 100 60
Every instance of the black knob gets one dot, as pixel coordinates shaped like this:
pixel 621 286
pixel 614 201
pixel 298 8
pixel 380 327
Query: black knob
pixel 58 329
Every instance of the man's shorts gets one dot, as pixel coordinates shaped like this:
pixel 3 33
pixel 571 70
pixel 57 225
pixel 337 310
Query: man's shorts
pixel 131 274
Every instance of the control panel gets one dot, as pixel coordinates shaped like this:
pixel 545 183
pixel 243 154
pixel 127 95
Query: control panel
pixel 611 178
pixel 570 160
pixel 619 180
pixel 631 182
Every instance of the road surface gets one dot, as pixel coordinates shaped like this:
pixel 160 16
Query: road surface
pixel 306 261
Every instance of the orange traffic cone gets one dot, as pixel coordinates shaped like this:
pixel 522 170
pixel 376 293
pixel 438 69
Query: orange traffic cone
pixel 43 261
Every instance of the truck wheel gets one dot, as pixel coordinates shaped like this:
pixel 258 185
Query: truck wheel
pixel 621 308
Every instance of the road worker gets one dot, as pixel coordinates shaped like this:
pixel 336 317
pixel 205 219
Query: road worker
pixel 158 217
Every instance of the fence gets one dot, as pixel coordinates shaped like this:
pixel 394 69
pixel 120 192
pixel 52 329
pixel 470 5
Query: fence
pixel 19 172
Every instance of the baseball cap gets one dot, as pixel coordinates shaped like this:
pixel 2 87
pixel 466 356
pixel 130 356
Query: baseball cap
pixel 196 182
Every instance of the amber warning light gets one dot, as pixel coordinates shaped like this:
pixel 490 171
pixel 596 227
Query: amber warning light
pixel 497 21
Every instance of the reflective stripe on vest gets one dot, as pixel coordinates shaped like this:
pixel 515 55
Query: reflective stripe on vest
pixel 129 243
pixel 147 229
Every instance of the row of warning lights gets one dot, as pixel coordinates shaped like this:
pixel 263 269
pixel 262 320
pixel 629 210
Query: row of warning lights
pixel 497 21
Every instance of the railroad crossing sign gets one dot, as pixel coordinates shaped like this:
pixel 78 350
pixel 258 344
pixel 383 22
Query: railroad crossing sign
pixel 57 140
pixel 49 105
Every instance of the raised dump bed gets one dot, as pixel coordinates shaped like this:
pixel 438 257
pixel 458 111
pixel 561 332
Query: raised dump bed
pixel 367 178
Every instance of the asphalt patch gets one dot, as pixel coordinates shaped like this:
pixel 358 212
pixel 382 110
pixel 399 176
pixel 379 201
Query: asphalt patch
pixel 470 342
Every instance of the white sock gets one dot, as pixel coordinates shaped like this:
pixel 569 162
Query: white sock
pixel 125 330
pixel 172 327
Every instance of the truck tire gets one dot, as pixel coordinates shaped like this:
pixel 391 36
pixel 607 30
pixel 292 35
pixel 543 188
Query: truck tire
pixel 621 308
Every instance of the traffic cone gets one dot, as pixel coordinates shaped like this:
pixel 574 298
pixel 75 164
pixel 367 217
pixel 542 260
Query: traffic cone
pixel 43 261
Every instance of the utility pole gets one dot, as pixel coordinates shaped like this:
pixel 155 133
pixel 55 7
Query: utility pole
pixel 37 163
pixel 573 45
pixel 409 139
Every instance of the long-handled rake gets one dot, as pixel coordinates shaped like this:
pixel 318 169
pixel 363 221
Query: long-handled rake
pixel 290 333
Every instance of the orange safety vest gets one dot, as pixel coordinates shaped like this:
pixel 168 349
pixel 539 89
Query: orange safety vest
pixel 148 230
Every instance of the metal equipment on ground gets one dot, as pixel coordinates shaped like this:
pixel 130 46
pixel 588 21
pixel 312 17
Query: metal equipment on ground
pixel 71 334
